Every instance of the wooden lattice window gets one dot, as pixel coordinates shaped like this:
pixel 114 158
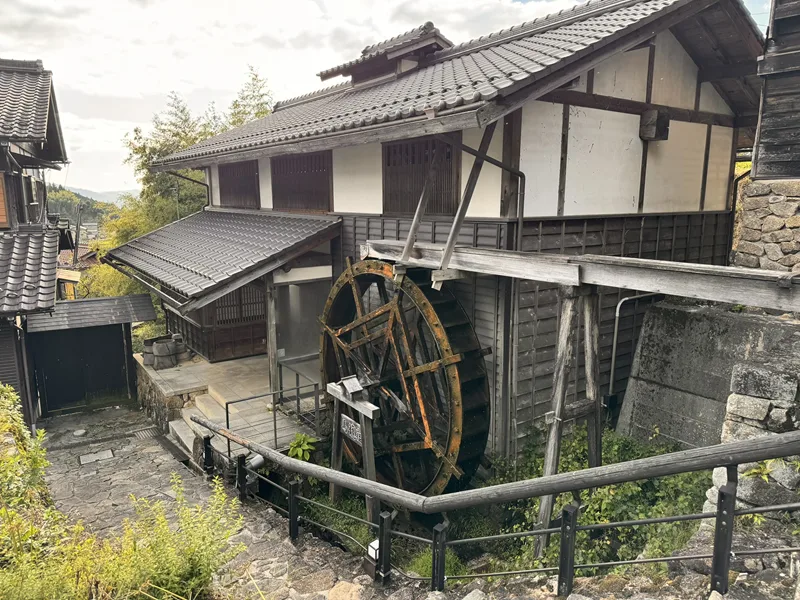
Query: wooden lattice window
pixel 405 167
pixel 302 182
pixel 238 185
pixel 244 305
pixel 3 205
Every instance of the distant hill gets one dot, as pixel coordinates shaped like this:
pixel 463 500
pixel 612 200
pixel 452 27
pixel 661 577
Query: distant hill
pixel 113 197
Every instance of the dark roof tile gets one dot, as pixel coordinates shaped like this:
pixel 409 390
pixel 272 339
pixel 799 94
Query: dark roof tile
pixel 469 74
pixel 94 312
pixel 25 89
pixel 28 271
pixel 202 251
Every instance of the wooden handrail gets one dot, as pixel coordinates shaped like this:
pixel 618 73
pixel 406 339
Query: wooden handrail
pixel 673 463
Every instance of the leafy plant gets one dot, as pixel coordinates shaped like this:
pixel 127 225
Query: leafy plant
pixel 302 446
pixel 763 469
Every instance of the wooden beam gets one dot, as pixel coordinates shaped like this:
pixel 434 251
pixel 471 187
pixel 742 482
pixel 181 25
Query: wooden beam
pixel 732 71
pixel 734 285
pixel 634 107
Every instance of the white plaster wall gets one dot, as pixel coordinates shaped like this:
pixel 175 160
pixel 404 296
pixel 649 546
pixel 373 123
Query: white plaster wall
pixel 719 168
pixel 320 272
pixel 265 182
pixel 213 181
pixel 674 74
pixel 604 162
pixel 623 75
pixel 711 101
pixel 540 156
pixel 358 179
pixel 486 198
pixel 675 169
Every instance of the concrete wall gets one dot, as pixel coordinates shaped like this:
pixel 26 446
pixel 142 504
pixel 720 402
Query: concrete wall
pixel 769 236
pixel 540 156
pixel 681 373
pixel 213 181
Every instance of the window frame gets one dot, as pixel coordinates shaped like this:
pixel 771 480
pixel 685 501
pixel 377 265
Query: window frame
pixel 454 175
pixel 279 194
pixel 252 204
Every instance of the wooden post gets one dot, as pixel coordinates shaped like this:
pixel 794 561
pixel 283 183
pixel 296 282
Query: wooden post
pixel 272 333
pixel 591 342
pixel 368 454
pixel 566 330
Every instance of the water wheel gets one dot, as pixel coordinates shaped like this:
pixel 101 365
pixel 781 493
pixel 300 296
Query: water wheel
pixel 416 354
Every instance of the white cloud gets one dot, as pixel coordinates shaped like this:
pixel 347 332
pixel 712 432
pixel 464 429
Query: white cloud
pixel 115 61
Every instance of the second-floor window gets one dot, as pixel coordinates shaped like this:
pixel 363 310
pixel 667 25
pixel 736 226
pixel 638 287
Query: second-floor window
pixel 302 182
pixel 405 166
pixel 238 185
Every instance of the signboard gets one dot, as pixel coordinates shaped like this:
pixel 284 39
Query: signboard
pixel 351 429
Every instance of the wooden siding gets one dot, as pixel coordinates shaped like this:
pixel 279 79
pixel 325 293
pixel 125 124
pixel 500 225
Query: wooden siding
pixel 701 238
pixel 777 153
pixel 234 326
pixel 405 167
pixel 302 182
pixel 238 185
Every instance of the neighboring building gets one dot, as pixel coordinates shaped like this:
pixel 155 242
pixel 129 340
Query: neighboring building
pixel 776 154
pixel 30 142
pixel 69 270
pixel 625 117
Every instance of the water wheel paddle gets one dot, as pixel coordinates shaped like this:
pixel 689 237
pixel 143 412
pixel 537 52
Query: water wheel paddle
pixel 418 357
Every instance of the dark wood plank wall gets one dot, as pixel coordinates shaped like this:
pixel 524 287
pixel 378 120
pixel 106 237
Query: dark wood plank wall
pixel 302 181
pixel 777 154
pixel 697 237
pixel 405 168
pixel 238 185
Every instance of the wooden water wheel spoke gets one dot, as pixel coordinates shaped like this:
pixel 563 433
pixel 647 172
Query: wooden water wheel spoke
pixel 433 422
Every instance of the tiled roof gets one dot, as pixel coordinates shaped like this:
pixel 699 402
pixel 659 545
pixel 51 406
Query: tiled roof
pixel 94 312
pixel 86 257
pixel 28 271
pixel 467 75
pixel 395 43
pixel 200 252
pixel 24 100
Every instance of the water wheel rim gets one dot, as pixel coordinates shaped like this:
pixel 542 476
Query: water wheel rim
pixel 447 463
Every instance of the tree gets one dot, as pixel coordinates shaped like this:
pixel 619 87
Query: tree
pixel 164 197
pixel 254 101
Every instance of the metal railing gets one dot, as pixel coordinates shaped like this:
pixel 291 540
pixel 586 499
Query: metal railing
pixel 286 363
pixel 698 459
pixel 278 397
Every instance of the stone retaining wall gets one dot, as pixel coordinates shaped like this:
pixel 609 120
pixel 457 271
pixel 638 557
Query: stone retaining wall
pixel 158 406
pixel 769 237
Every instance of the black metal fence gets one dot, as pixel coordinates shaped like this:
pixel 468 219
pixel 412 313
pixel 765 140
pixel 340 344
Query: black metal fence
pixel 698 459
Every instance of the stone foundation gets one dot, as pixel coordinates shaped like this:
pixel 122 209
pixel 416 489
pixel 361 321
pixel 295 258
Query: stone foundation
pixel 160 407
pixel 769 236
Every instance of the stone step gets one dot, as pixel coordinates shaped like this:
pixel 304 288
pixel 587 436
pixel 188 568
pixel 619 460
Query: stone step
pixel 218 395
pixel 183 434
pixel 218 442
pixel 210 407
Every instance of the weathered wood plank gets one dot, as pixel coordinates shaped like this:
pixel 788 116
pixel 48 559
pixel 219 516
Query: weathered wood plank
pixel 735 285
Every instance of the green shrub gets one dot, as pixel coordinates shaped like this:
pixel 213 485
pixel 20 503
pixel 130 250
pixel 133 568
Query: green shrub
pixel 656 497
pixel 302 446
pixel 356 534
pixel 422 563
pixel 43 557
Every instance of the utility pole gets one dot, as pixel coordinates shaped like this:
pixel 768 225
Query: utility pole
pixel 77 235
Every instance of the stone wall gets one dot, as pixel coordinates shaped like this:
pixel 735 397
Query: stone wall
pixel 769 233
pixel 763 401
pixel 158 406
pixel 681 372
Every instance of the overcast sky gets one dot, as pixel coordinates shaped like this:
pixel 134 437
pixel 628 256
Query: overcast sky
pixel 114 61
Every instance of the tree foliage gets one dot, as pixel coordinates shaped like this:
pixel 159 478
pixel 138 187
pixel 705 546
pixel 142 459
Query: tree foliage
pixel 165 198
pixel 65 202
